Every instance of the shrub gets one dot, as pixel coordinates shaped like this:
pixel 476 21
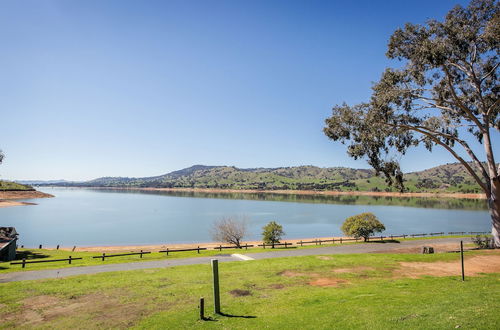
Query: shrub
pixel 483 241
pixel 230 230
pixel 272 233
pixel 362 225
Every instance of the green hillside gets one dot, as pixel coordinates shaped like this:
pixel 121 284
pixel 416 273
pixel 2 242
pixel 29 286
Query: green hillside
pixel 444 178
pixel 13 186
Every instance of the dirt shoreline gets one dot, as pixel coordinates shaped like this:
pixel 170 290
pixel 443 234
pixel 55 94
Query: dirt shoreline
pixel 307 192
pixel 9 198
pixel 157 247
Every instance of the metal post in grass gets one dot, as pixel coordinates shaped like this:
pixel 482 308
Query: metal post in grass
pixel 215 274
pixel 462 259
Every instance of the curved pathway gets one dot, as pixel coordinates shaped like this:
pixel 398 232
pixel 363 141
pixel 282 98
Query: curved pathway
pixel 373 247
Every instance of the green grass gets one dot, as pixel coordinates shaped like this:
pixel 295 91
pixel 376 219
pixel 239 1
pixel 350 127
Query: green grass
pixel 47 254
pixel 371 297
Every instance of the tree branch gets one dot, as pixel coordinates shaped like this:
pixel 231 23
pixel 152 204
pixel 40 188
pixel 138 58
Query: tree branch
pixel 467 111
pixel 490 72
pixel 450 150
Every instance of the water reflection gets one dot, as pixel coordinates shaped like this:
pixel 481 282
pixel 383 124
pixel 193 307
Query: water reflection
pixel 423 202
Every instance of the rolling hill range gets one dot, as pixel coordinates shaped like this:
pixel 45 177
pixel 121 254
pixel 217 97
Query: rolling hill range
pixel 444 178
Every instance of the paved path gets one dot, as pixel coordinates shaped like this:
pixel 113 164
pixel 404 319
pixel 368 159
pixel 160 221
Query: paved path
pixel 338 249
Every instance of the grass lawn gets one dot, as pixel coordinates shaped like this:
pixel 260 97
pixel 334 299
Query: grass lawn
pixel 366 291
pixel 47 254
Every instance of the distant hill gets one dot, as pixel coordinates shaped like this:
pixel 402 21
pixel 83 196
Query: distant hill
pixel 444 178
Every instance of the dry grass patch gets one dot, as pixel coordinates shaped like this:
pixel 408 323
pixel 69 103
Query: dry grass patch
pixel 328 282
pixel 105 310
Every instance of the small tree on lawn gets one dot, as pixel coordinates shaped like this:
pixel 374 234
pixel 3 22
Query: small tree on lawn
pixel 230 230
pixel 362 225
pixel 272 233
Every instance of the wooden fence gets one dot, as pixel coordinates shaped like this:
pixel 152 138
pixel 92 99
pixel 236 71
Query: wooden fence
pixel 24 262
pixel 246 246
pixel 104 255
pixel 272 245
pixel 182 250
pixel 286 245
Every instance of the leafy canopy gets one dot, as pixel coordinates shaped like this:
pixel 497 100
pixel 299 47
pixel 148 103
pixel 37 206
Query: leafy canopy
pixel 362 225
pixel 447 87
pixel 272 233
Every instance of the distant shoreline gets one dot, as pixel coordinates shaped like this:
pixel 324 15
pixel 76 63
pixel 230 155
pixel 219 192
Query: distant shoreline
pixel 9 197
pixel 304 192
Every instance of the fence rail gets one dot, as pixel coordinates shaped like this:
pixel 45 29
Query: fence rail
pixel 167 251
pixel 24 262
pixel 104 255
pixel 272 245
pixel 246 246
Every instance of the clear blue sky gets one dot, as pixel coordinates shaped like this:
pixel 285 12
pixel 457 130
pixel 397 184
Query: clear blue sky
pixel 141 88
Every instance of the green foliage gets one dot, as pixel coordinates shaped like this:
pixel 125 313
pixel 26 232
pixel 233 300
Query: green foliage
pixel 13 186
pixel 448 80
pixel 362 225
pixel 483 241
pixel 446 178
pixel 272 233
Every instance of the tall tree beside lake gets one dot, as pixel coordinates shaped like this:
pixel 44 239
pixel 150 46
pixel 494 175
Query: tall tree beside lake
pixel 446 89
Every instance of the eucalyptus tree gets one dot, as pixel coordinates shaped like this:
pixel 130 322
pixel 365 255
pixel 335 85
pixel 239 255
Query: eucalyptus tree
pixel 444 92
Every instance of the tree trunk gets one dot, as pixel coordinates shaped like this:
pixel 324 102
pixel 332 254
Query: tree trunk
pixel 494 206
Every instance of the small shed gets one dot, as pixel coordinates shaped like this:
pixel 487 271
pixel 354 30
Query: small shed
pixel 8 239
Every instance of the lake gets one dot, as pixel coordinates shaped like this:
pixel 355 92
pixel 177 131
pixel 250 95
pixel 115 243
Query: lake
pixel 86 217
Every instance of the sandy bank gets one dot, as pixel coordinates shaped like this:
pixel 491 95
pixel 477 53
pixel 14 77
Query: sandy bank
pixel 23 194
pixel 14 203
pixel 310 192
pixel 158 247
pixel 8 198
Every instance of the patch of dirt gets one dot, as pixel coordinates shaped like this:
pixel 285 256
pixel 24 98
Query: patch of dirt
pixel 438 248
pixel 291 273
pixel 473 266
pixel 358 269
pixel 38 310
pixel 324 257
pixel 327 282
pixel 240 293
pixel 277 286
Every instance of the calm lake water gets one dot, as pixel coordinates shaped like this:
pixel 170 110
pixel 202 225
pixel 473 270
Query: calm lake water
pixel 86 217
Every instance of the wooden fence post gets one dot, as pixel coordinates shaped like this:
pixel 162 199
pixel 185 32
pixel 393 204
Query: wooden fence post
pixel 40 247
pixel 202 308
pixel 341 240
pixel 57 248
pixel 74 247
pixel 215 275
pixel 140 255
pixel 198 249
pixel 69 260
pixel 103 256
pixel 462 259
pixel 24 262
pixel 300 243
